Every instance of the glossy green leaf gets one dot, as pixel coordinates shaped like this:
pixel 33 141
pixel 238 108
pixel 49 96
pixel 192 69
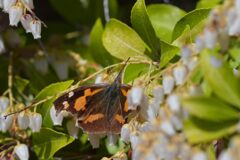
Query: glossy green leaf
pixel 200 131
pixel 163 18
pixel 207 3
pixel 50 90
pixel 168 52
pixel 98 51
pixel 191 20
pixel 121 41
pixel 142 25
pixel 133 71
pixel 47 142
pixel 221 79
pixel 210 108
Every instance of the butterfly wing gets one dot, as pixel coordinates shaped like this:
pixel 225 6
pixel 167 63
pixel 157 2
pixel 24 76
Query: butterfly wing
pixel 76 101
pixel 107 113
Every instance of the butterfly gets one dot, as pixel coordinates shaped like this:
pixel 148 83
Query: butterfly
pixel 98 108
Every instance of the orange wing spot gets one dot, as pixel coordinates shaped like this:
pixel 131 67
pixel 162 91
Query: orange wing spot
pixel 119 118
pixel 124 92
pixel 87 92
pixel 80 103
pixel 126 106
pixel 93 117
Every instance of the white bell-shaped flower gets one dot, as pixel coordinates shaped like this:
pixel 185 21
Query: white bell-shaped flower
pixel 35 122
pixel 21 150
pixel 29 3
pixel 234 29
pixel 112 139
pixel 135 140
pixel 179 73
pixel 23 120
pixel 200 155
pixel 210 37
pixel 41 64
pixel 72 129
pixel 125 133
pixel 56 118
pixel 5 122
pixel 25 21
pixel 7 4
pixel 167 83
pixel 135 97
pixel 216 62
pixel 61 68
pixel 192 63
pixel 35 26
pixel 173 102
pixel 15 14
pixel 94 139
pixel 158 94
pixel 226 155
pixel 200 44
pixel 4 103
pixel 167 127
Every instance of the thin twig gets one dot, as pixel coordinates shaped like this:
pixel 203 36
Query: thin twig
pixel 10 79
pixel 106 10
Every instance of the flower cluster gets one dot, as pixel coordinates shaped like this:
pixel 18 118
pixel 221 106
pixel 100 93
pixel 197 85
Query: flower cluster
pixel 161 136
pixel 20 11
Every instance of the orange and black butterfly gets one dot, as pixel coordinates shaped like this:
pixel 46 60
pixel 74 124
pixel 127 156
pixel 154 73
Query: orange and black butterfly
pixel 99 108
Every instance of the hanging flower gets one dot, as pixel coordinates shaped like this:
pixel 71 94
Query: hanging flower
pixel 21 150
pixel 35 26
pixel 35 122
pixel 72 129
pixel 23 120
pixel 15 14
pixel 25 21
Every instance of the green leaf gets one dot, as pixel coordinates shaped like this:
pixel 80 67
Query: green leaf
pixel 133 71
pixel 221 79
pixel 200 131
pixel 168 52
pixel 235 54
pixel 50 90
pixel 207 3
pixel 47 142
pixel 121 41
pixel 210 109
pixel 142 25
pixel 98 51
pixel 20 83
pixel 191 20
pixel 163 18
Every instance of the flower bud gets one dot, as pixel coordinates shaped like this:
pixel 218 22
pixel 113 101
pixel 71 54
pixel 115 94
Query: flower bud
pixel 173 102
pixel 15 14
pixel 179 73
pixel 135 97
pixel 4 103
pixel 72 129
pixel 168 84
pixel 125 133
pixel 25 21
pixel 56 118
pixel 21 150
pixel 23 120
pixel 35 26
pixel 7 4
pixel 35 122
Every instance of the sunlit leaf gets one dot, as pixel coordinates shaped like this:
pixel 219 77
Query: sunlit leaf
pixel 122 42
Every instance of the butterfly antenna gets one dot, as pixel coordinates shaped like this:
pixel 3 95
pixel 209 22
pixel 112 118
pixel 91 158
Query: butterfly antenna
pixel 119 76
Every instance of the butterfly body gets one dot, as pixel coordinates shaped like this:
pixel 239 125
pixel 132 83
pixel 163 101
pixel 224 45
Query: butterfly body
pixel 98 108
